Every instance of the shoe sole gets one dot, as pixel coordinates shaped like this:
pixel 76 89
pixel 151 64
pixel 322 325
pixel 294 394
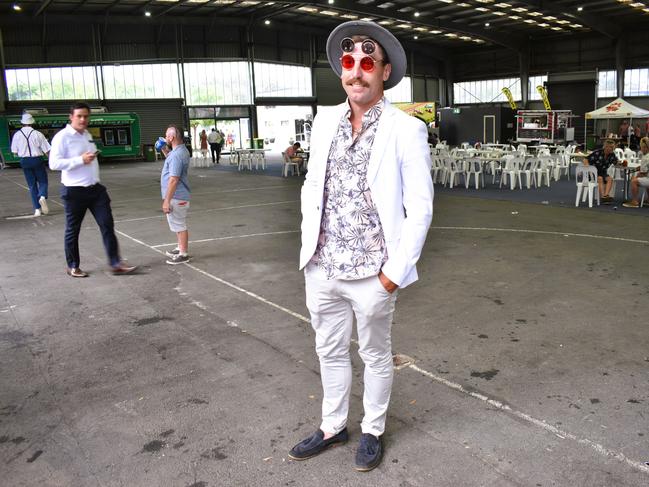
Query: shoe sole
pixel 328 447
pixel 369 467
pixel 171 262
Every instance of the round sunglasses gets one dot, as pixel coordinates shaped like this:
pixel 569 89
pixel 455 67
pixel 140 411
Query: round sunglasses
pixel 368 47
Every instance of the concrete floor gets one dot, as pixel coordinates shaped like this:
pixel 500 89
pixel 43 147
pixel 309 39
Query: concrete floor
pixel 531 359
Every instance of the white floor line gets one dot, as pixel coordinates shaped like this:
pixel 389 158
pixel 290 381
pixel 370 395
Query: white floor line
pixel 537 422
pixel 227 238
pixel 602 450
pixel 542 232
pixel 209 210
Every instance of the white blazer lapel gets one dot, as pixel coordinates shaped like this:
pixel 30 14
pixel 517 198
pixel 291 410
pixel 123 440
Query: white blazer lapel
pixel 329 129
pixel 386 125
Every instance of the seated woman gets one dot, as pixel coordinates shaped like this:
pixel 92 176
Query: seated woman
pixel 641 178
pixel 602 159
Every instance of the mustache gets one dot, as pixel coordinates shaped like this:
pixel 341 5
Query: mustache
pixel 357 81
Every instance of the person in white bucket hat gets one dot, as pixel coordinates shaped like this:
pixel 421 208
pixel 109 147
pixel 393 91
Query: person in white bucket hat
pixel 31 145
pixel 367 204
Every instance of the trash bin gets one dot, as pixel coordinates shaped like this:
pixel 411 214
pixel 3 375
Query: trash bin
pixel 258 144
pixel 149 152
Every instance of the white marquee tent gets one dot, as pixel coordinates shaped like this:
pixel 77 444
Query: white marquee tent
pixel 617 109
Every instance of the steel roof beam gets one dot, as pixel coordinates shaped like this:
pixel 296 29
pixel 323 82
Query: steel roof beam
pixel 600 24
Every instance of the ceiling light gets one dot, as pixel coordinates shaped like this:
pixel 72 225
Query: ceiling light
pixel 435 31
pixel 535 14
pixel 447 1
pixel 223 2
pixel 514 17
pixel 478 41
pixel 579 9
pixel 519 9
pixel 386 22
pixel 486 24
pixel 331 2
pixel 637 4
pixel 416 14
pixel 463 5
pixel 557 28
pixel 404 26
pixel 451 35
pixel 645 10
pixel 465 38
pixel 368 19
pixel 500 14
pixel 416 37
pixel 16 7
pixel 485 1
pixel 331 13
pixel 421 29
pixel 530 21
pixel 550 17
pixel 147 14
pixel 247 3
pixel 482 9
pixel 310 10
pixel 543 24
pixel 349 16
pixel 563 21
pixel 503 5
pixel 576 26
pixel 267 22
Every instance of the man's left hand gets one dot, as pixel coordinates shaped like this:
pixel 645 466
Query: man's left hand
pixel 388 285
pixel 166 207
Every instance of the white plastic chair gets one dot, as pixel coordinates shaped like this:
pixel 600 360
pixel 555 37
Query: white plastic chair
pixel 245 160
pixel 542 170
pixel 453 169
pixel 586 177
pixel 465 145
pixel 259 159
pixel 511 171
pixel 473 168
pixel 289 163
pixel 527 169
pixel 436 169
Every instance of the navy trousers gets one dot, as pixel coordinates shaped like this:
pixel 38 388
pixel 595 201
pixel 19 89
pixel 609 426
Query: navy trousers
pixel 78 199
pixel 36 177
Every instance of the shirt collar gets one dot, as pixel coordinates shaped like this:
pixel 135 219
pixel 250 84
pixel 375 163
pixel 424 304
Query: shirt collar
pixel 372 114
pixel 71 131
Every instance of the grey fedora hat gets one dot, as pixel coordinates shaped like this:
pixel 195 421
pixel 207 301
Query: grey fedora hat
pixel 389 43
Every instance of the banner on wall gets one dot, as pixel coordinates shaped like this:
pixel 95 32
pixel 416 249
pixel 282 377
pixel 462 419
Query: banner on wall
pixel 423 110
pixel 544 96
pixel 510 98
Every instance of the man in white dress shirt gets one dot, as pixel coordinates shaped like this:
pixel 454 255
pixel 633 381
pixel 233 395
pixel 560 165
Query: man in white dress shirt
pixel 31 145
pixel 75 154
pixel 367 204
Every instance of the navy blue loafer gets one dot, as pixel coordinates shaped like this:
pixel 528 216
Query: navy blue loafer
pixel 369 453
pixel 315 444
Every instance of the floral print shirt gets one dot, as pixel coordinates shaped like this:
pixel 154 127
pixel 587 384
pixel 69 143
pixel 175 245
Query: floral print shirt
pixel 601 161
pixel 351 244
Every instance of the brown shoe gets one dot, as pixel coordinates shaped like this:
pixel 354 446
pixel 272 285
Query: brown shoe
pixel 631 204
pixel 76 272
pixel 123 268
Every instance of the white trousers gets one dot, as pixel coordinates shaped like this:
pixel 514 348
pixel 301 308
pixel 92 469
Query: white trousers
pixel 333 305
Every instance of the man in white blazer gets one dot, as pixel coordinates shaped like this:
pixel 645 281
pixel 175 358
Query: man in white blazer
pixel 367 204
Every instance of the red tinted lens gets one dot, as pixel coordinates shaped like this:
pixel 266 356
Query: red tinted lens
pixel 367 64
pixel 347 61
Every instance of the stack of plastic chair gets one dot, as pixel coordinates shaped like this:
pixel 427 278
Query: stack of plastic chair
pixel 453 169
pixel 259 159
pixel 586 177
